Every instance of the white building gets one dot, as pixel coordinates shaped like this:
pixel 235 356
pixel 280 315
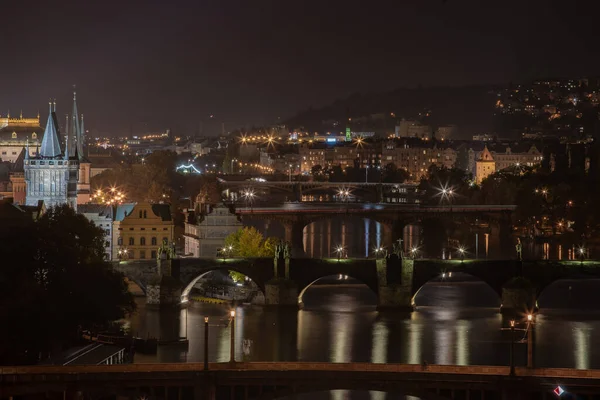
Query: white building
pixel 410 128
pixel 101 216
pixel 205 238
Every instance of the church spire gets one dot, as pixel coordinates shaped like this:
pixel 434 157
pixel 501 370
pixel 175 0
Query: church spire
pixel 27 149
pixel 50 143
pixel 74 128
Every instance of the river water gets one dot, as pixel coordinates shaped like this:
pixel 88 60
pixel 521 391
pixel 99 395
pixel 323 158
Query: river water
pixel 455 323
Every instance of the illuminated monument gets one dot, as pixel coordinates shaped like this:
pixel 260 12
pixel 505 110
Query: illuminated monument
pixel 56 176
pixel 51 175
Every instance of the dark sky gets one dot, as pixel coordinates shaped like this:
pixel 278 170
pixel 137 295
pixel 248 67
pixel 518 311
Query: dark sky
pixel 151 65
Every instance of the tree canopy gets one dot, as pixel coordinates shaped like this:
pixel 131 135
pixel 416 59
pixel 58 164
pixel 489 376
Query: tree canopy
pixel 249 242
pixel 56 283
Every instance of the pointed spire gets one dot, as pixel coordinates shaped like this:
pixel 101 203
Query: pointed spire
pixel 8 115
pixel 66 147
pixel 50 143
pixel 81 137
pixel 74 128
pixel 38 116
pixel 21 116
pixel 27 149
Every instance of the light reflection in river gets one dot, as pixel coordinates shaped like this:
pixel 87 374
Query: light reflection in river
pixel 340 324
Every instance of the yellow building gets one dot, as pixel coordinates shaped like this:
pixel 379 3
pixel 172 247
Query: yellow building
pixel 484 166
pixel 140 230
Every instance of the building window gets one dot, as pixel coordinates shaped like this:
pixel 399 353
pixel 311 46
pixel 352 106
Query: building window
pixel 34 135
pixel 142 241
pixel 145 216
pixel 120 241
pixel 153 254
pixel 153 241
pixel 14 135
pixel 131 241
pixel 142 254
pixel 140 213
pixel 165 240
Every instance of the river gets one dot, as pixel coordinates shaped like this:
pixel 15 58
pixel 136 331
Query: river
pixel 455 323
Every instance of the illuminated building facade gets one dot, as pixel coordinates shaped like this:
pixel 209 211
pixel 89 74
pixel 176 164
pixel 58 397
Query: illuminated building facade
pixel 51 175
pixel 140 229
pixel 15 133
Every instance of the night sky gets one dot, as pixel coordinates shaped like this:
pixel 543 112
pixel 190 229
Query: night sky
pixel 150 65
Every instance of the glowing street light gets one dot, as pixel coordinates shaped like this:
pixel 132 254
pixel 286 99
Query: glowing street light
pixel 340 251
pixel 232 342
pixel 461 252
pixel 414 252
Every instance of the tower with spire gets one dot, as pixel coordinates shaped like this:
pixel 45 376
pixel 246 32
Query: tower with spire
pixel 76 148
pixel 51 175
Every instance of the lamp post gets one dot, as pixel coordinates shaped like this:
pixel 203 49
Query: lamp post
pixel 339 250
pixel 232 343
pixel 530 340
pixel 206 343
pixel 512 347
pixel 461 251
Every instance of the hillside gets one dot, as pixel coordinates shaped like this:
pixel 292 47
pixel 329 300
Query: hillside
pixel 470 108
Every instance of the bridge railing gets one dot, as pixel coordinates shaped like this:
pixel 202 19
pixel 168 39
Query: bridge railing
pixel 18 374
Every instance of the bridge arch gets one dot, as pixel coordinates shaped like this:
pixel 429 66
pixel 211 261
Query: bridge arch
pixel 575 276
pixel 447 277
pixel 259 270
pixel 188 288
pixel 344 276
pixel 494 273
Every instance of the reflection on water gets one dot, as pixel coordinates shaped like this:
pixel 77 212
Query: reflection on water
pixel 360 236
pixel 341 324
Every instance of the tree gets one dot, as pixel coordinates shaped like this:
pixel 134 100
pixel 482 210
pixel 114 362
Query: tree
pixel 60 284
pixel 249 242
pixel 393 174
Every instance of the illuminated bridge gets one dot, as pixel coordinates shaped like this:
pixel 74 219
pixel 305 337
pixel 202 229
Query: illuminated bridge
pixel 367 191
pixel 393 217
pixel 272 380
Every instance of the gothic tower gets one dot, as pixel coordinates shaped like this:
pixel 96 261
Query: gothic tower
pixel 76 135
pixel 51 175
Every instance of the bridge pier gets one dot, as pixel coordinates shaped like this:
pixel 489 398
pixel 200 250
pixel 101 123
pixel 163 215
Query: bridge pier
pixel 518 297
pixel 395 283
pixel 164 289
pixel 281 292
pixel 294 234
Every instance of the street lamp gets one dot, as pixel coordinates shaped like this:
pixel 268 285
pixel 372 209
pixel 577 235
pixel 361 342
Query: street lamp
pixel 581 252
pixel 461 252
pixel 512 347
pixel 232 343
pixel 339 250
pixel 413 252
pixel 530 322
pixel 206 343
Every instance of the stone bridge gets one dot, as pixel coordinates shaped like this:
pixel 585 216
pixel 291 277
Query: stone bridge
pixel 396 282
pixel 294 217
pixel 272 380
